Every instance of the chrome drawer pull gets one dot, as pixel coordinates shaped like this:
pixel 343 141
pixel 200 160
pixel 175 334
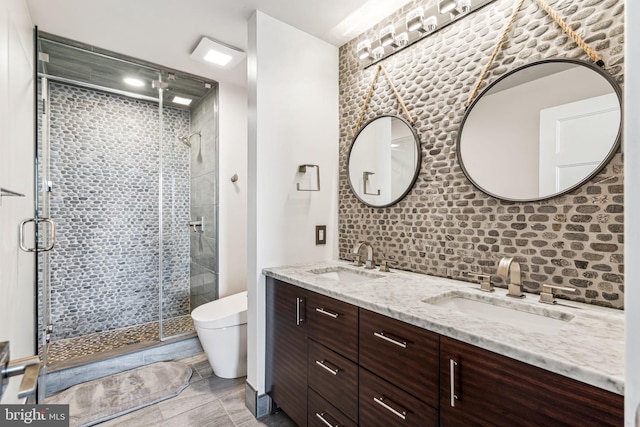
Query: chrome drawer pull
pixel 452 380
pixel 381 335
pixel 299 318
pixel 327 313
pixel 321 363
pixel 320 415
pixel 380 401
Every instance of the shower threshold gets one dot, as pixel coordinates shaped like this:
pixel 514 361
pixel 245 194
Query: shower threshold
pixel 71 352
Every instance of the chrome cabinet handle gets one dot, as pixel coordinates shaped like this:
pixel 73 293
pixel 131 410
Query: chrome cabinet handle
pixel 327 313
pixel 321 417
pixel 452 380
pixel 323 365
pixel 51 244
pixel 299 318
pixel 399 413
pixel 399 343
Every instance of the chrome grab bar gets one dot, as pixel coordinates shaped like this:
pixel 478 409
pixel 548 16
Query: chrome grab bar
pixel 51 244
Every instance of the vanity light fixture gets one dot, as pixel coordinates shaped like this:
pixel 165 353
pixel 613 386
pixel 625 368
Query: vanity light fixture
pixel 402 40
pixel 446 6
pixel 217 53
pixel 182 101
pixel 364 49
pixel 462 7
pixel 419 23
pixel 377 53
pixel 132 81
pixel 416 21
pixel 387 36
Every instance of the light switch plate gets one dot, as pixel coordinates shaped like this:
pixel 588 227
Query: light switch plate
pixel 321 234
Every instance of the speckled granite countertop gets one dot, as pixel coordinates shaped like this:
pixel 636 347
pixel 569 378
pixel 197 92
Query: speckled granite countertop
pixel 589 347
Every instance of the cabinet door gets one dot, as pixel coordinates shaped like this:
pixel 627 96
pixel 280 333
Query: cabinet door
pixel 335 324
pixel 286 348
pixel 490 389
pixel 403 354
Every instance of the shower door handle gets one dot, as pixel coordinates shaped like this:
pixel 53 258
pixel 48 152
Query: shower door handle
pixel 52 242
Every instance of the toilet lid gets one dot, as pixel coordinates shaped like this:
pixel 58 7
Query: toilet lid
pixel 222 313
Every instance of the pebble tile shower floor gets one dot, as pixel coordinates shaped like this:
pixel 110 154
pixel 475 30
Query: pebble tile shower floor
pixel 67 349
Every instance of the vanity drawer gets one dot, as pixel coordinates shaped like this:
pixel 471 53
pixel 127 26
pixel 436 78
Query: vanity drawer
pixel 383 404
pixel 402 354
pixel 322 413
pixel 333 323
pixel 334 377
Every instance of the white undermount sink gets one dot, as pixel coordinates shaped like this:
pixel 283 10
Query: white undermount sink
pixel 496 309
pixel 345 275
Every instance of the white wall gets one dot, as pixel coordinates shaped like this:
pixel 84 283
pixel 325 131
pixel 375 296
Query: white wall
pixel 232 222
pixel 632 210
pixel 293 120
pixel 16 173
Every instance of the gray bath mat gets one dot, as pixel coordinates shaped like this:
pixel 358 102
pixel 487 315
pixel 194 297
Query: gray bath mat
pixel 105 398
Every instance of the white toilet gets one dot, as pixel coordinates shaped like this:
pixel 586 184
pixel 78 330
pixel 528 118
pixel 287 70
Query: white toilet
pixel 222 330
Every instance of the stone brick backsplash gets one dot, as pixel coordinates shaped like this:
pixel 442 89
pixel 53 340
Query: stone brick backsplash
pixel 105 200
pixel 445 226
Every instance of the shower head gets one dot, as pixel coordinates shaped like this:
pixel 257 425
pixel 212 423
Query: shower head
pixel 186 140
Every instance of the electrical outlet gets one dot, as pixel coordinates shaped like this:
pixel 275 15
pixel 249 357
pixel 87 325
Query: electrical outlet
pixel 321 234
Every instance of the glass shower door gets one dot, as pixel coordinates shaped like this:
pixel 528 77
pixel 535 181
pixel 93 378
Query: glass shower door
pixel 174 213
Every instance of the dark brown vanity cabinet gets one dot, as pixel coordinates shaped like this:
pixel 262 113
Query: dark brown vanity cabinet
pixel 286 348
pixel 479 387
pixel 331 363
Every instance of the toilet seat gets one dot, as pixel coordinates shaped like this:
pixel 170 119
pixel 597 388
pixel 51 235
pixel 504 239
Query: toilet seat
pixel 223 313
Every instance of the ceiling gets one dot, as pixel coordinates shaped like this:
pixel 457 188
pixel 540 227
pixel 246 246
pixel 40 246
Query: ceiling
pixel 165 32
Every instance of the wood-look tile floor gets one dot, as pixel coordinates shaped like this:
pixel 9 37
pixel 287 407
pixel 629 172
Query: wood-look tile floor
pixel 208 401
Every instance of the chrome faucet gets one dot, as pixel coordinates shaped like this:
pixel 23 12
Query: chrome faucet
pixel 356 250
pixel 507 267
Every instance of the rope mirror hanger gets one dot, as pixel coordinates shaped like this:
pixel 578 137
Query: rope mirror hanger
pixel 565 27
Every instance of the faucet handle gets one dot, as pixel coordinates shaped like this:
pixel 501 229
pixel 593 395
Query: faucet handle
pixel 547 296
pixel 485 281
pixel 384 265
pixel 357 260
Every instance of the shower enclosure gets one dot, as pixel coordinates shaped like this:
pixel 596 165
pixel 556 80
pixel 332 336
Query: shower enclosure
pixel 127 163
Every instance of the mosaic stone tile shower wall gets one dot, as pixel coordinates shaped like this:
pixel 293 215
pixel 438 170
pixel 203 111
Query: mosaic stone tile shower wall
pixel 204 201
pixel 445 226
pixel 105 174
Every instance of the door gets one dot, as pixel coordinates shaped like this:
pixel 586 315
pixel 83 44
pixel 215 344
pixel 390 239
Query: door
pixel 574 138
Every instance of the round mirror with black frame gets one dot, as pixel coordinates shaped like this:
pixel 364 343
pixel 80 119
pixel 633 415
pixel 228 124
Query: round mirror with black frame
pixel 541 130
pixel 384 161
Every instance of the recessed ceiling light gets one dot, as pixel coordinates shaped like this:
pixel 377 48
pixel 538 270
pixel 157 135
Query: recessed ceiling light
pixel 132 81
pixel 216 53
pixel 182 101
pixel 217 58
